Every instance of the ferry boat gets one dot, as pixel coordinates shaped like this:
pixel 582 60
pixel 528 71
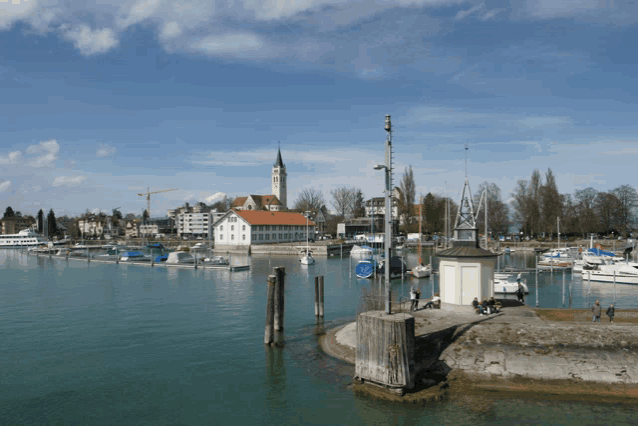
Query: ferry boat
pixel 24 238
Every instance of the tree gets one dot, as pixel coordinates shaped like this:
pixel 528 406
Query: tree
pixel 40 221
pixel 607 206
pixel 626 213
pixel 309 200
pixel 585 210
pixel 145 216
pixel 116 216
pixel 497 211
pixel 8 212
pixel 52 226
pixel 222 205
pixel 359 208
pixel 343 200
pixel 408 194
pixel 550 203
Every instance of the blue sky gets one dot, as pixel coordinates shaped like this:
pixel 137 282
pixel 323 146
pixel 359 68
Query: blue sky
pixel 103 99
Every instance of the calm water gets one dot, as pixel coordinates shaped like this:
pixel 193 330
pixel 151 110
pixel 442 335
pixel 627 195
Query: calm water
pixel 121 344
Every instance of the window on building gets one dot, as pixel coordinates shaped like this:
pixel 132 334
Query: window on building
pixel 232 227
pixel 243 227
pixel 243 237
pixel 221 237
pixel 221 228
pixel 232 236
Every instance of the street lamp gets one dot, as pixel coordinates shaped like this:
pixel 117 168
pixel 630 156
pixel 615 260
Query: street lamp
pixel 388 235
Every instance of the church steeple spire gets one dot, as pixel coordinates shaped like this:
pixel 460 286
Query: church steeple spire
pixel 279 162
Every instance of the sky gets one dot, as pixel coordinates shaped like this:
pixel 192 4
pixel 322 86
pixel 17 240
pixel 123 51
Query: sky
pixel 101 100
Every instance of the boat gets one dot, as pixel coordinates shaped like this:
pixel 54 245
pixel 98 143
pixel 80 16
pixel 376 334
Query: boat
pixel 161 258
pixel 24 238
pixel 134 256
pixel 179 257
pixel 47 248
pixel 216 260
pixel 421 270
pixel 111 254
pixel 397 266
pixel 508 284
pixel 621 273
pixel 362 251
pixel 306 255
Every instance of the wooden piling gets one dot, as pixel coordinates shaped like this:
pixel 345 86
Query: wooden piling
pixel 317 296
pixel 321 296
pixel 280 273
pixel 270 311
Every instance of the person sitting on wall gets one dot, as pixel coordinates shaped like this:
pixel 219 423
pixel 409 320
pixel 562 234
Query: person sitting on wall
pixel 435 303
pixel 477 306
pixel 486 308
pixel 494 306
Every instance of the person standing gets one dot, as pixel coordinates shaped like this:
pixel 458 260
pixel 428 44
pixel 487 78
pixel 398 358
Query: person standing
pixel 412 299
pixel 610 312
pixel 595 310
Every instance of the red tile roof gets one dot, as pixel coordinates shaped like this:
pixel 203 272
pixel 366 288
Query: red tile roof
pixel 255 217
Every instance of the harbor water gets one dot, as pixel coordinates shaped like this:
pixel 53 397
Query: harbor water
pixel 95 343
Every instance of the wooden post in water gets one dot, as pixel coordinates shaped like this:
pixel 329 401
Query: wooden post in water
pixel 280 273
pixel 341 250
pixel 537 281
pixel 614 287
pixel 563 287
pixel 317 296
pixel 321 296
pixel 269 331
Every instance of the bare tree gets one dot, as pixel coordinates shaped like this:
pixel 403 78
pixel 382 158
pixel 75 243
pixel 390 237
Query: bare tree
pixel 550 203
pixel 408 194
pixel 607 206
pixel 309 199
pixel 497 210
pixel 628 201
pixel 585 206
pixel 343 200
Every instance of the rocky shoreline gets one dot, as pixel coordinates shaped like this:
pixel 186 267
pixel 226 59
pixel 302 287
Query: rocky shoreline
pixel 518 352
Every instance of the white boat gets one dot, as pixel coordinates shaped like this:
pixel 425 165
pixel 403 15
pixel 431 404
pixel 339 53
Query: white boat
pixel 361 251
pixel 134 256
pixel 47 248
pixel 508 284
pixel 179 257
pixel 24 238
pixel 111 254
pixel 306 255
pixel 421 271
pixel 621 273
pixel 216 260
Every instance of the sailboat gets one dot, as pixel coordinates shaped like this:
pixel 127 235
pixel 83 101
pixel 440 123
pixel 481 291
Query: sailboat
pixel 306 258
pixel 421 271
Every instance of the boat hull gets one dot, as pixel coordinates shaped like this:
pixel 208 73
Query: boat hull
pixel 609 278
pixel 421 271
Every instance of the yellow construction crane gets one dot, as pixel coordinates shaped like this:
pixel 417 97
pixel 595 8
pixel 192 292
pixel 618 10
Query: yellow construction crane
pixel 148 197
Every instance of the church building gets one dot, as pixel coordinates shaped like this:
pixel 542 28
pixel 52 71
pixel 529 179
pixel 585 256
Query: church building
pixel 277 201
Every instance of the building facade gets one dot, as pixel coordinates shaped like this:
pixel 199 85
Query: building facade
pixel 257 202
pixel 247 227
pixel 15 224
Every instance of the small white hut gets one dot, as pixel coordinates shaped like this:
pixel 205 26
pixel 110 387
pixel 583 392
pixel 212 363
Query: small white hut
pixel 466 271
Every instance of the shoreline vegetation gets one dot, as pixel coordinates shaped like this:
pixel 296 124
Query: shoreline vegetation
pixel 543 354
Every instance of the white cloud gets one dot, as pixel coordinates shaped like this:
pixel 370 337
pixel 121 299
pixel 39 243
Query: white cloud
pixel 46 153
pixel 217 195
pixel 141 10
pixel 68 180
pixel 12 158
pixel 88 41
pixel 170 30
pixel 15 10
pixel 105 151
pixel 462 14
pixel 4 185
pixel 238 44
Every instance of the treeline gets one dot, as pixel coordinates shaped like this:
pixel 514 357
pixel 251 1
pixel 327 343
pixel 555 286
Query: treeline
pixel 538 207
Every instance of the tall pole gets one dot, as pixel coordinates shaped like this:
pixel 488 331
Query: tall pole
pixel 558 229
pixel 486 192
pixel 388 211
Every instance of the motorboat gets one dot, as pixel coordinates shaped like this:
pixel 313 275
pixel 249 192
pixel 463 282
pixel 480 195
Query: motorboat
pixel 397 266
pixel 111 254
pixel 508 283
pixel 621 273
pixel 422 271
pixel 362 251
pixel 216 261
pixel 26 237
pixel 134 256
pixel 46 248
pixel 179 257
pixel 554 263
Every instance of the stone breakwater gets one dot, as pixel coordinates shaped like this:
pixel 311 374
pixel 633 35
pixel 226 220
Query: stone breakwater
pixel 518 350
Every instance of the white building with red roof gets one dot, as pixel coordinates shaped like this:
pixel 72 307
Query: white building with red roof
pixel 246 227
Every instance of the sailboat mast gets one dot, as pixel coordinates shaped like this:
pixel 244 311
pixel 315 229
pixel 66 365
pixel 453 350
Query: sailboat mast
pixel 420 218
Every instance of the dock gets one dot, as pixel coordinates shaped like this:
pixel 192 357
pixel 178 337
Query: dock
pixel 231 268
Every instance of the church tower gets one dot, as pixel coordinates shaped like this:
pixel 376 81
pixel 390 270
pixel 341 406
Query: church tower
pixel 279 187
